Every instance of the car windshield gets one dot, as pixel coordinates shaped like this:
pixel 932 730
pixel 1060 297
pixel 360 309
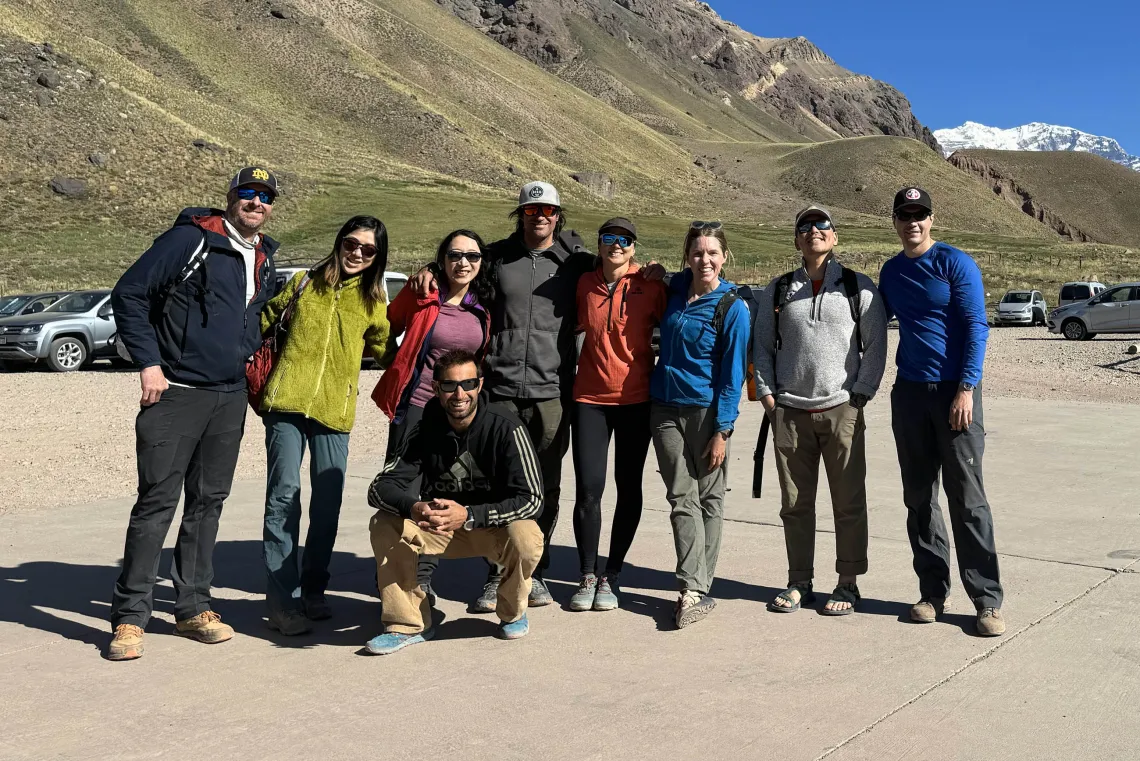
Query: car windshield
pixel 77 303
pixel 10 305
pixel 1016 297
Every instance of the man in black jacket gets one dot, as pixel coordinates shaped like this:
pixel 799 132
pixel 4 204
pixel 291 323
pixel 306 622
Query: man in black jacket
pixel 188 314
pixel 481 489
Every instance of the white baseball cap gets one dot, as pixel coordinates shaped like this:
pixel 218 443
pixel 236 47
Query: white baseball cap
pixel 539 192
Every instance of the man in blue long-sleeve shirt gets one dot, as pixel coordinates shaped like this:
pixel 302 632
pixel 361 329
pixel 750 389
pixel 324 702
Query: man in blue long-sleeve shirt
pixel 936 292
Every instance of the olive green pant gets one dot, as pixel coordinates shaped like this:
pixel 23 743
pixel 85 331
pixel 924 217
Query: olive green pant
pixel 802 440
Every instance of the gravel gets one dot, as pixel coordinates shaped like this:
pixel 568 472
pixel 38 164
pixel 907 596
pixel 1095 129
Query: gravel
pixel 75 443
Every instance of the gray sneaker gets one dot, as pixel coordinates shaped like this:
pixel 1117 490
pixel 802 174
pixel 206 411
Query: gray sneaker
pixel 606 598
pixel 487 601
pixel 692 607
pixel 583 599
pixel 539 594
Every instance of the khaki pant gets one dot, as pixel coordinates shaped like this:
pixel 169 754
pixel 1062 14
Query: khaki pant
pixel 802 439
pixel 398 544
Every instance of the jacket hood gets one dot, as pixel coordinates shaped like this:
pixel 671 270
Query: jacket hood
pixel 212 220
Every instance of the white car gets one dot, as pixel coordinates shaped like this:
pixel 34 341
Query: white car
pixel 1021 308
pixel 393 281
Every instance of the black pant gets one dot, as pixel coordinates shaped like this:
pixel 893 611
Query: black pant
pixel 593 426
pixel 920 417
pixel 189 437
pixel 398 433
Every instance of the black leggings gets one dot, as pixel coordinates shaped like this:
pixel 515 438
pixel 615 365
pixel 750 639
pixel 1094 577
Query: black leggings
pixel 593 426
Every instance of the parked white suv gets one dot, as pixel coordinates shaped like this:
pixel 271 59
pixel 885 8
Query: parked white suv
pixel 1116 310
pixel 1021 308
pixel 1071 293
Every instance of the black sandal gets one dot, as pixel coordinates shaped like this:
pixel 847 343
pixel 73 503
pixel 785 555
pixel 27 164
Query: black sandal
pixel 806 596
pixel 848 593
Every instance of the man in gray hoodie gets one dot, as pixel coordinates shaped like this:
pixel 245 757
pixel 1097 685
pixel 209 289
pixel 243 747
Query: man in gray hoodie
pixel 820 348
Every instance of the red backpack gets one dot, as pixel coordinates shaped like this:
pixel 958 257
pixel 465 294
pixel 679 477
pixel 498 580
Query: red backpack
pixel 260 365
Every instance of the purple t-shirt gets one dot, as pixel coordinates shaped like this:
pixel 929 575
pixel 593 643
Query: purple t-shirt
pixel 456 327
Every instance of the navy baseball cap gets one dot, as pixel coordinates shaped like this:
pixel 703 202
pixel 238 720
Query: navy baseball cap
pixel 255 175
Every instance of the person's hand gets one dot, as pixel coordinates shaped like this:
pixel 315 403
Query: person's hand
pixel 423 283
pixel 447 516
pixel 420 513
pixel 653 271
pixel 859 401
pixel 962 410
pixel 715 449
pixel 153 384
pixel 769 403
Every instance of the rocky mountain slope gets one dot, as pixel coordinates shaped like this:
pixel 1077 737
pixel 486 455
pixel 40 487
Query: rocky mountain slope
pixel 632 52
pixel 1033 137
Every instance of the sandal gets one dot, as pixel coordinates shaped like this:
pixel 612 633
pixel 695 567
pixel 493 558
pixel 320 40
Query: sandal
pixel 848 593
pixel 806 596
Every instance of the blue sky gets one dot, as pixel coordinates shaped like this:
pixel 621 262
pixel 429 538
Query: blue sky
pixel 999 63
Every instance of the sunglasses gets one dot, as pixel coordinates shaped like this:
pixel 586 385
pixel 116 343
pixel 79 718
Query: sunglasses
pixel 699 225
pixel 547 210
pixel 350 245
pixel 820 224
pixel 451 386
pixel 472 257
pixel 912 216
pixel 248 194
pixel 608 239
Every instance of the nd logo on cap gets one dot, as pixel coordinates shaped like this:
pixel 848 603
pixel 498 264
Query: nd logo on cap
pixel 260 174
pixel 913 195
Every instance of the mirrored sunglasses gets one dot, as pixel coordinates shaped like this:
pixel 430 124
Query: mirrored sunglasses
pixel 608 239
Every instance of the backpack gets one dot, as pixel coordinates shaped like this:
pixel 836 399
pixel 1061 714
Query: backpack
pixel 850 286
pixel 720 314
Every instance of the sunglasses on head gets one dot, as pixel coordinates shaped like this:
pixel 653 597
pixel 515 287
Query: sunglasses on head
pixel 912 216
pixel 608 239
pixel 350 245
pixel 450 386
pixel 547 210
pixel 699 225
pixel 819 224
pixel 248 194
pixel 474 257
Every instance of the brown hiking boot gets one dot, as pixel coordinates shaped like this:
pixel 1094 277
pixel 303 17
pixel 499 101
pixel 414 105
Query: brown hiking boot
pixel 990 622
pixel 127 644
pixel 205 627
pixel 928 609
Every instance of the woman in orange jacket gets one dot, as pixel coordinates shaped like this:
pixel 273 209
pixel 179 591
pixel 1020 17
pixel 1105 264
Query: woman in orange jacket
pixel 617 311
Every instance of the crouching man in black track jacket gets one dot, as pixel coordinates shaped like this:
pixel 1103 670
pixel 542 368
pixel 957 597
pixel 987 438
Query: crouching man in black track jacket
pixel 481 492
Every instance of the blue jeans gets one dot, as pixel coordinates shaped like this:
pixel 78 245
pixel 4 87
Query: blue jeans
pixel 286 436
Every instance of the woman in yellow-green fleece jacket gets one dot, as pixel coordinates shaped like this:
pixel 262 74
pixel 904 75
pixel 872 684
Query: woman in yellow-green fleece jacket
pixel 310 400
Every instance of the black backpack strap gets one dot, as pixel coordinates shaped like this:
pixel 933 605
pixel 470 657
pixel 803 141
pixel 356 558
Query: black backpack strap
pixel 851 286
pixel 778 300
pixel 720 314
pixel 196 261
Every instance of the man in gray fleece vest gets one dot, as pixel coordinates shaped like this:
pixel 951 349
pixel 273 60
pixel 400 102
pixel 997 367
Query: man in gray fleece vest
pixel 816 367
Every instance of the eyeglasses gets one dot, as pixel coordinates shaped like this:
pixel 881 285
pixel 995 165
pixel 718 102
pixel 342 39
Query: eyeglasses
pixel 699 225
pixel 547 210
pixel 912 216
pixel 350 245
pixel 820 224
pixel 608 239
pixel 473 257
pixel 451 386
pixel 248 194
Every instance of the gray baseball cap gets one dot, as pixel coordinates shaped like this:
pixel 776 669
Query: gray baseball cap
pixel 817 211
pixel 539 192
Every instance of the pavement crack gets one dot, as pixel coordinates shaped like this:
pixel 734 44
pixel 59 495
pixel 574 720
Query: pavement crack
pixel 974 661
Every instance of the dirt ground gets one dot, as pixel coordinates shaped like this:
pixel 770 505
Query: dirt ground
pixel 69 438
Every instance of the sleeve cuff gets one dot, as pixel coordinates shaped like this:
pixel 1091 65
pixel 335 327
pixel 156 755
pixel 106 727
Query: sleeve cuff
pixel 864 389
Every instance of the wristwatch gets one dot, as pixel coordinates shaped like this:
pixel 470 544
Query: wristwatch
pixel 727 434
pixel 966 386
pixel 469 524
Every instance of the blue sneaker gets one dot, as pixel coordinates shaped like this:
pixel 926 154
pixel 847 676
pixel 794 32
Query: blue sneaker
pixel 390 642
pixel 583 599
pixel 516 630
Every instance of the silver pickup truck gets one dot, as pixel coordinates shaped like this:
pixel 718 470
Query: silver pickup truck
pixel 66 335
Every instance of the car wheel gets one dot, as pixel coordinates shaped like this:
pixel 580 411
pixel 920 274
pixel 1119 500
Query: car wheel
pixel 1074 330
pixel 66 355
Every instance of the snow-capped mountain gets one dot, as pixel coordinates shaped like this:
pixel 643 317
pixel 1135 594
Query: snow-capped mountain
pixel 1033 137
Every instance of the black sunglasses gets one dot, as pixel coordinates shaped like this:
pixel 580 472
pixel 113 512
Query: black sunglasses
pixel 912 216
pixel 471 256
pixel 699 225
pixel 450 386
pixel 820 224
pixel 608 239
pixel 367 250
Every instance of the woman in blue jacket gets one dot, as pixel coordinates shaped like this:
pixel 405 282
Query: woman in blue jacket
pixel 695 391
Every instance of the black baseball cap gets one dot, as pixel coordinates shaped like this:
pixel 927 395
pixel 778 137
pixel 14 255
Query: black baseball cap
pixel 912 196
pixel 255 175
pixel 620 223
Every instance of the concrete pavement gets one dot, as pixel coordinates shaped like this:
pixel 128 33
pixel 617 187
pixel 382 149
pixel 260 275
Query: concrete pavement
pixel 1064 683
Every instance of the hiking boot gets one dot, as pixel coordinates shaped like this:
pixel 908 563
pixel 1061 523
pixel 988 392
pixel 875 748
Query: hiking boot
pixel 692 607
pixel 389 642
pixel 316 607
pixel 539 594
pixel 606 598
pixel 928 609
pixel 990 622
pixel 583 599
pixel 289 622
pixel 515 630
pixel 205 627
pixel 487 601
pixel 126 644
